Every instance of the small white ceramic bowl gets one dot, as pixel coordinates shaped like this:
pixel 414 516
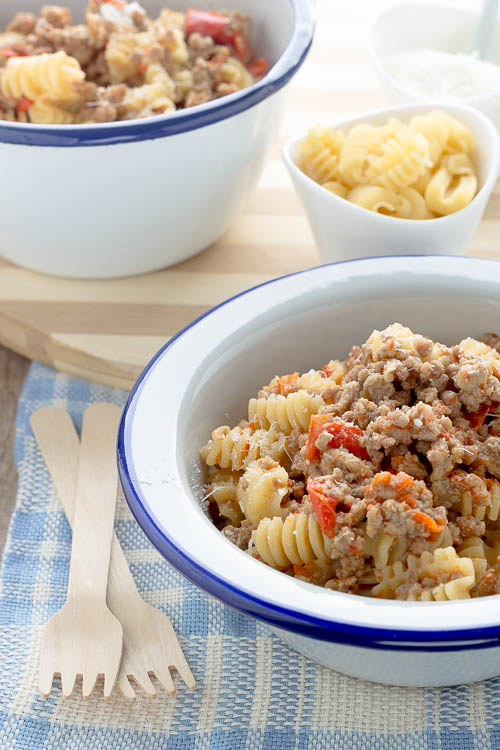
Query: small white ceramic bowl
pixel 407 26
pixel 204 377
pixel 121 198
pixel 343 230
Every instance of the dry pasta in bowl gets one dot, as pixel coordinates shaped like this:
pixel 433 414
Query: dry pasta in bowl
pixel 121 64
pixel 420 169
pixel 378 475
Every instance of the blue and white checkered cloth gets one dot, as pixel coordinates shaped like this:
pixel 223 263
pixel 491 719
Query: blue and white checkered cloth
pixel 254 693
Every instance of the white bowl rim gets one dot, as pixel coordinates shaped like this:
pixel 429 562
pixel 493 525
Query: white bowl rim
pixel 456 108
pixel 180 121
pixel 385 73
pixel 381 623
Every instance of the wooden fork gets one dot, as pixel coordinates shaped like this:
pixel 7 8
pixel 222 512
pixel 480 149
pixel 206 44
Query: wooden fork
pixel 149 641
pixel 84 638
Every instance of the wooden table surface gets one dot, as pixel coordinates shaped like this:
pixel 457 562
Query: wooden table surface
pixel 12 371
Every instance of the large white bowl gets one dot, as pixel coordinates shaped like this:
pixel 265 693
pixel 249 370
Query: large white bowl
pixel 204 377
pixel 116 199
pixel 343 230
pixel 406 26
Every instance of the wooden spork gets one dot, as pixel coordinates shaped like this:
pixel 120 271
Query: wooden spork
pixel 84 638
pixel 150 644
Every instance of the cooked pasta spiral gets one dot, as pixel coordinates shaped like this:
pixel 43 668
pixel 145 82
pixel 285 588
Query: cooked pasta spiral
pixel 262 489
pixel 233 71
pixel 436 576
pixel 295 541
pixel 460 138
pixel 45 111
pixel 354 157
pixel 222 489
pixel 436 130
pixel 50 73
pixel 404 157
pixel 120 56
pixel 155 97
pixel 320 154
pixel 447 193
pixel 237 447
pixel 288 412
pixel 407 204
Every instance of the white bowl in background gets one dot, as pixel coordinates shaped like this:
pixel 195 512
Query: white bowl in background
pixel 343 230
pixel 204 376
pixel 121 198
pixel 407 26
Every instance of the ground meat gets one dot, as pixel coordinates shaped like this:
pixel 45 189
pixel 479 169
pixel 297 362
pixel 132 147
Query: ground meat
pixel 240 536
pixel 22 23
pixel 410 464
pixel 493 340
pixel 355 471
pixel 470 526
pixel 200 46
pixel 488 584
pixel 56 15
pixel 489 455
pixel 476 385
pixel 402 506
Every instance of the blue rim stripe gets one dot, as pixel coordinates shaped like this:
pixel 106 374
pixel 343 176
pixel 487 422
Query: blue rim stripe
pixel 283 617
pixel 182 121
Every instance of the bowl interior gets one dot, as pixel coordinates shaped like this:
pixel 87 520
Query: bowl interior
pixel 206 376
pixel 272 22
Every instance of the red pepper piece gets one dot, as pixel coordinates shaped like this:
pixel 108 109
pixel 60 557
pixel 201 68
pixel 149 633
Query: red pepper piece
pixel 476 419
pixel 24 104
pixel 258 68
pixel 344 435
pixel 206 24
pixel 324 506
pixel 218 27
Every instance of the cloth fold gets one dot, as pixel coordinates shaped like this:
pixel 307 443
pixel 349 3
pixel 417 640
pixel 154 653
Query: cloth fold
pixel 254 693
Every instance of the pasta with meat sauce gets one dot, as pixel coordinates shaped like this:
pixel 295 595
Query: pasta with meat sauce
pixel 377 476
pixel 121 64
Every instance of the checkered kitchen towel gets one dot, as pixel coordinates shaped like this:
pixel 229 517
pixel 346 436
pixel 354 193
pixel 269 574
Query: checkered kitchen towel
pixel 254 693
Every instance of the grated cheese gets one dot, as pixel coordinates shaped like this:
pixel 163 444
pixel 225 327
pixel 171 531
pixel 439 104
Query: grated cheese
pixel 444 75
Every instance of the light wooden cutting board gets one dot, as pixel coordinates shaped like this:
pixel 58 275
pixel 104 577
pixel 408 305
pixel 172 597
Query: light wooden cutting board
pixel 107 330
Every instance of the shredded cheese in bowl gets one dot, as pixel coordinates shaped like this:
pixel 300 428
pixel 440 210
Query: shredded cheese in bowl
pixel 436 74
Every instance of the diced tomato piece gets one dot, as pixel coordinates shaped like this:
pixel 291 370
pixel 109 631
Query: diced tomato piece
pixel 303 571
pixel 287 383
pixel 476 419
pixel 344 435
pixel 206 24
pixel 24 104
pixel 316 426
pixel 324 506
pixel 258 67
pixel 142 67
pixel 8 52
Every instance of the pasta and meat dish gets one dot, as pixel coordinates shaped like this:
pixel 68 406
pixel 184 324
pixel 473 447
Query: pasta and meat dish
pixel 378 475
pixel 121 64
pixel 416 170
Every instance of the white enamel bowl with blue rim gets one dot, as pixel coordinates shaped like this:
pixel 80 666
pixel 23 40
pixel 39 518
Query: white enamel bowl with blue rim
pixel 122 198
pixel 204 376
